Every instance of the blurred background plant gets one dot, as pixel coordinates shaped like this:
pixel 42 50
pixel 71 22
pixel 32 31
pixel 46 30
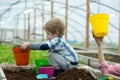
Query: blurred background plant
pixel 8 57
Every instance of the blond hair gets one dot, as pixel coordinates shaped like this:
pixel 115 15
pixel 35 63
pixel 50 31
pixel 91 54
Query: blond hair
pixel 55 26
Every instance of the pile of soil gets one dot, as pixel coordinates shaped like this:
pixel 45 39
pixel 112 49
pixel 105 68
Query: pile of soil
pixel 20 75
pixel 75 74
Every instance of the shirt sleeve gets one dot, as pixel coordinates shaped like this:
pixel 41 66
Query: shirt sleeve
pixel 39 46
pixel 105 68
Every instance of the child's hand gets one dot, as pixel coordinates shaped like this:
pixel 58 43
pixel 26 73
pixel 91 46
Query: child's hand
pixel 24 46
pixel 99 40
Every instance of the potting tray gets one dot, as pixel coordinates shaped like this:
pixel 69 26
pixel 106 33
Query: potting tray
pixel 2 75
pixel 13 72
pixel 94 72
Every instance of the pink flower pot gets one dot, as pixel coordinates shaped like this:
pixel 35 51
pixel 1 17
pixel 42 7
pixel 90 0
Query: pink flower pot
pixel 49 70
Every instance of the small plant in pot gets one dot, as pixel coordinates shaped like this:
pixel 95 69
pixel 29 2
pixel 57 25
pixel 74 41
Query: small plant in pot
pixel 21 57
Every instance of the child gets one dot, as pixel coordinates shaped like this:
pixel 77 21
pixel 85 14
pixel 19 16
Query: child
pixel 61 55
pixel 103 65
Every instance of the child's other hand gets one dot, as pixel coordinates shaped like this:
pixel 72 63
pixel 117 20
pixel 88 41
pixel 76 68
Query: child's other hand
pixel 99 40
pixel 24 46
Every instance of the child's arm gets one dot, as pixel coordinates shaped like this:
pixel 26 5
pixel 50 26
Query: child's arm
pixel 99 41
pixel 38 46
pixel 35 46
pixel 101 54
pixel 103 65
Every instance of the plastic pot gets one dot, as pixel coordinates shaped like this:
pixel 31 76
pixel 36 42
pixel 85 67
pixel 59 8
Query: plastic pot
pixel 99 24
pixel 21 57
pixel 49 70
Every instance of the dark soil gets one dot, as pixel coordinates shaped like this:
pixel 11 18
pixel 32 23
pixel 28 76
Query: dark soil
pixel 75 74
pixel 72 74
pixel 21 75
pixel 108 57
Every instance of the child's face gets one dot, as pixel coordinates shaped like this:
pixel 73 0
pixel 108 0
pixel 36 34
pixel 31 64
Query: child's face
pixel 50 35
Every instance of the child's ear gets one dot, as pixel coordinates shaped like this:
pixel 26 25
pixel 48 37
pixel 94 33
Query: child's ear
pixel 57 33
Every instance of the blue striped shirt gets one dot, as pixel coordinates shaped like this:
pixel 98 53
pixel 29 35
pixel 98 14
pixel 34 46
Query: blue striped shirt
pixel 57 45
